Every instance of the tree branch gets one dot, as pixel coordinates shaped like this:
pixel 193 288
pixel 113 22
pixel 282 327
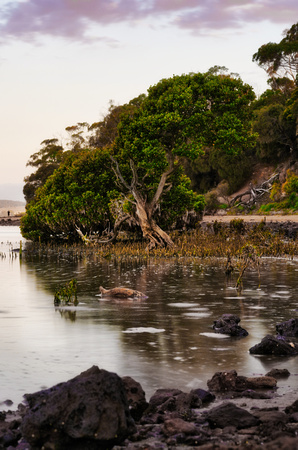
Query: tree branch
pixel 119 174
pixel 162 182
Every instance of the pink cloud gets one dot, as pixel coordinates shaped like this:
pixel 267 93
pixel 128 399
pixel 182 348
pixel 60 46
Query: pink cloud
pixel 71 19
pixel 221 14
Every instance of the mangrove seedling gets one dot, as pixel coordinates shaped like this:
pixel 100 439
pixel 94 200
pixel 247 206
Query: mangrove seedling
pixel 66 294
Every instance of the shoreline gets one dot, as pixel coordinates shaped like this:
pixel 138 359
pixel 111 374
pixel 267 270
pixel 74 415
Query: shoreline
pixel 257 418
pixel 11 221
pixel 223 218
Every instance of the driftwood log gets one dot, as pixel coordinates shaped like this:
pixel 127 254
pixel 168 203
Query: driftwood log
pixel 121 292
pixel 254 193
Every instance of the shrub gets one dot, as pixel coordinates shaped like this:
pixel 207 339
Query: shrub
pixel 291 184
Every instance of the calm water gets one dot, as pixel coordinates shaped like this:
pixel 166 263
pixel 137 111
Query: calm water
pixel 163 341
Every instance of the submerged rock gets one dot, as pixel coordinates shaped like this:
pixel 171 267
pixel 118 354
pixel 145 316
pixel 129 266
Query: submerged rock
pixel 228 324
pixel 289 328
pixel 278 373
pixel 278 346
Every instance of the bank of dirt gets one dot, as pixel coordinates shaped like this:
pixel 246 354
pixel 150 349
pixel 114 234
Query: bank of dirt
pixel 273 218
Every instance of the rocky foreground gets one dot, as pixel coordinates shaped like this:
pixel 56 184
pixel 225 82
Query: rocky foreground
pixel 99 410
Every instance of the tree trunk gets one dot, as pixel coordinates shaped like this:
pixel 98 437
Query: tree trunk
pixel 151 231
pixel 144 210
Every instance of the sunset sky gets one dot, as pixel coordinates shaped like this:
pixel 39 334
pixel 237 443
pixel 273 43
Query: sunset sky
pixel 62 61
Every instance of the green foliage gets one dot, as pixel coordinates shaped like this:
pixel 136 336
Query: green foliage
pixel 288 203
pixel 237 225
pixel 191 117
pixel 275 116
pixel 212 202
pixel 67 294
pixel 75 197
pixel 149 139
pixel 291 184
pixel 280 59
pixel 177 201
pixel 275 193
pixel 276 112
pixel 45 161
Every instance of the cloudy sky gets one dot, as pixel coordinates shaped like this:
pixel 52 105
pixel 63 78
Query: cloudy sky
pixel 62 61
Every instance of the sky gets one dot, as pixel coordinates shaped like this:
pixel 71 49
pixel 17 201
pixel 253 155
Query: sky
pixel 63 61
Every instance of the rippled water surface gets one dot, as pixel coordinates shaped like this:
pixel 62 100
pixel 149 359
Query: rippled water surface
pixel 164 341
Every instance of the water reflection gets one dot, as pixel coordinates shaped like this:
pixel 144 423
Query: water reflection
pixel 164 341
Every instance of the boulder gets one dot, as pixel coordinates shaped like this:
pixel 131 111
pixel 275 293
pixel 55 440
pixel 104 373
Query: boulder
pixel 228 414
pixel 227 382
pixel 271 345
pixel 228 324
pixel 293 408
pixel 178 426
pixel 136 397
pixel 231 382
pixel 170 403
pixel 289 328
pixel 271 416
pixel 264 382
pixel 88 411
pixel 278 373
pixel 204 396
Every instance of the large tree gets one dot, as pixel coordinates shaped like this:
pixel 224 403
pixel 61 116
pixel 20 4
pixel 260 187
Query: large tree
pixel 74 200
pixel 275 112
pixel 182 117
pixel 45 161
pixel 137 173
pixel 280 59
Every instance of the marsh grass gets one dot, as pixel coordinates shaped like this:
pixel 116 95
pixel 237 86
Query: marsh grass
pixel 236 247
pixel 215 240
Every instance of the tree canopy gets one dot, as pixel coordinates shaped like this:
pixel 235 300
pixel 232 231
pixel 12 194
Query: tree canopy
pixel 181 118
pixel 131 168
pixel 276 111
pixel 280 59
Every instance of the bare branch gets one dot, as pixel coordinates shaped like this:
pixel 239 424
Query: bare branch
pixel 119 174
pixel 255 192
pixel 162 182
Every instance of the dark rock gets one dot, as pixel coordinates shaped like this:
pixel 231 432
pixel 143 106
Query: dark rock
pixel 228 414
pixel 289 328
pixel 161 396
pixel 228 324
pixel 170 403
pixel 89 411
pixel 227 382
pixel 204 396
pixel 278 373
pixel 293 417
pixel 273 415
pixel 136 397
pixel 282 443
pixel 261 382
pixel 231 382
pixel 178 426
pixel 250 393
pixel 293 408
pixel 271 345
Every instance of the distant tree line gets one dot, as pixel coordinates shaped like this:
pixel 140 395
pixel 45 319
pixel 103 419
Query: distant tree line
pixel 147 165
